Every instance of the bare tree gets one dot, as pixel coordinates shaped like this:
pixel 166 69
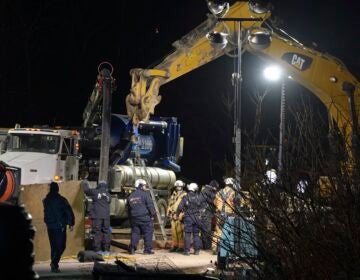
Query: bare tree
pixel 305 224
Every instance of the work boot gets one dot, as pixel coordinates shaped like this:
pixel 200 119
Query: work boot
pixel 179 250
pixel 54 268
pixel 186 253
pixel 132 252
pixel 196 252
pixel 173 249
pixel 149 252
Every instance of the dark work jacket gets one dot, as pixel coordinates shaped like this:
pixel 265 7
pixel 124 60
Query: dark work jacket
pixel 57 211
pixel 140 207
pixel 208 196
pixel 191 204
pixel 100 208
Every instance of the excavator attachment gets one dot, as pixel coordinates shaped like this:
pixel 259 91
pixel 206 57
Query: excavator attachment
pixel 144 94
pixel 193 50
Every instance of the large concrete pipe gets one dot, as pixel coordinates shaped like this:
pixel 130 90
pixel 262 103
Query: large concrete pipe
pixel 124 176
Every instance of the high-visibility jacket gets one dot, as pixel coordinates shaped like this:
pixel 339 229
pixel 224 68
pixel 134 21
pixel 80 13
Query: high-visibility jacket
pixel 225 201
pixel 174 201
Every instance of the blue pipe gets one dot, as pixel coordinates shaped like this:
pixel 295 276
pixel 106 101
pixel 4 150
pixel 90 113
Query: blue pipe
pixel 172 165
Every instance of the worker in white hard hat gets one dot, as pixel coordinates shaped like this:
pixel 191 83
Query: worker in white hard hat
pixel 271 176
pixel 141 212
pixel 100 215
pixel 177 227
pixel 225 207
pixel 191 205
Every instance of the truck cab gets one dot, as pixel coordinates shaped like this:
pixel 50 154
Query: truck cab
pixel 3 139
pixel 44 155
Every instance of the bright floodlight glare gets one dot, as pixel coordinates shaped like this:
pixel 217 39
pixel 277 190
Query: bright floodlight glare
pixel 272 73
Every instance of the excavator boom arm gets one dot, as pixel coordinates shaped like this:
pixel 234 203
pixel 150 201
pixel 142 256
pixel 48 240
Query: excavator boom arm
pixel 324 75
pixel 191 51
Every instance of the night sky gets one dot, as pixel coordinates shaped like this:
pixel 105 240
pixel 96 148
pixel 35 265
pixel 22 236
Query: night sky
pixel 50 51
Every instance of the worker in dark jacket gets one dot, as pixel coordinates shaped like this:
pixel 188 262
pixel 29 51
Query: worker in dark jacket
pixel 191 205
pixel 208 193
pixel 141 212
pixel 100 215
pixel 57 215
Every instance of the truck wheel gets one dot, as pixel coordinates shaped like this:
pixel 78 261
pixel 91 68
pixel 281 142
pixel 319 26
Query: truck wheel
pixel 162 206
pixel 16 243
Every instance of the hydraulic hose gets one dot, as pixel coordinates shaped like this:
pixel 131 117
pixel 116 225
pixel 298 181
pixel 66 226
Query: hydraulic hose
pixel 7 183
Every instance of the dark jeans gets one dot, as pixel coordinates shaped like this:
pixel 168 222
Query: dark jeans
pixel 57 238
pixel 206 232
pixel 138 229
pixel 192 225
pixel 102 234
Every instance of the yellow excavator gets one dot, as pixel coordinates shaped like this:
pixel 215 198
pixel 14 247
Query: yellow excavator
pixel 247 25
pixel 324 75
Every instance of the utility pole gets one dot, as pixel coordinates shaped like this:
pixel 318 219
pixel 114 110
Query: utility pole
pixel 237 109
pixel 282 125
pixel 237 80
pixel 106 124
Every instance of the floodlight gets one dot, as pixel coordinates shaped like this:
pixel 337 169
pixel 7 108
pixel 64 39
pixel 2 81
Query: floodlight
pixel 259 39
pixel 217 39
pixel 218 8
pixel 259 7
pixel 272 73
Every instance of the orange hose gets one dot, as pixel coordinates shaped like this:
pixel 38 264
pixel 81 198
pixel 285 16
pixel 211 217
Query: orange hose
pixel 10 186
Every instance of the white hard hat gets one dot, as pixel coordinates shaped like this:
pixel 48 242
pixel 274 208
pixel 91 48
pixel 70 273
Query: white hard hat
pixel 271 175
pixel 192 187
pixel 140 183
pixel 179 183
pixel 229 181
pixel 302 185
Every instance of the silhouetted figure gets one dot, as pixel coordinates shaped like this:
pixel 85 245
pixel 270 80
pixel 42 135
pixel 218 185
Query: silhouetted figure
pixel 57 216
pixel 208 193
